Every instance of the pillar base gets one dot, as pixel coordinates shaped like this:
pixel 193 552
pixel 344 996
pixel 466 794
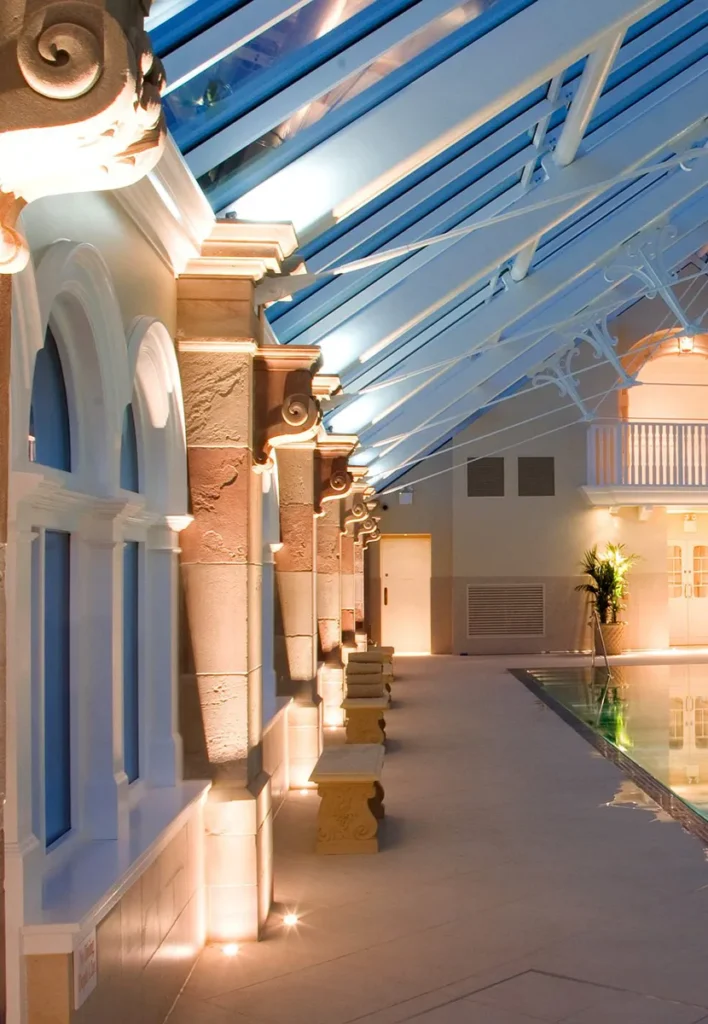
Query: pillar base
pixel 239 860
pixel 305 720
pixel 331 686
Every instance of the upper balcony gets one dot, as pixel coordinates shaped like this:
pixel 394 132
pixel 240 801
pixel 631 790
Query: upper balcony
pixel 641 462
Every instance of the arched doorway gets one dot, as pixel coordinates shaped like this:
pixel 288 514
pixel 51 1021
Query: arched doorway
pixel 668 411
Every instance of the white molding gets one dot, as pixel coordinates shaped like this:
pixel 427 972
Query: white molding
pixel 657 496
pixel 170 209
pixel 49 936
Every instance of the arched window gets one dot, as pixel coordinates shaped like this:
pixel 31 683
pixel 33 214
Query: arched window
pixel 129 472
pixel 57 685
pixel 131 659
pixel 50 433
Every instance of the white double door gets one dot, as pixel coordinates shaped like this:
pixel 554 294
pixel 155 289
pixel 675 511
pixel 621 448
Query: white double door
pixel 688 589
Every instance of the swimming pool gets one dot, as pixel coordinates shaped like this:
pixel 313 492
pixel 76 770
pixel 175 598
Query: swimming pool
pixel 652 720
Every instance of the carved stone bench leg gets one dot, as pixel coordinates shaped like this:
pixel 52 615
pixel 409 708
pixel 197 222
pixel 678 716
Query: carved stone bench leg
pixel 376 803
pixel 346 822
pixel 365 725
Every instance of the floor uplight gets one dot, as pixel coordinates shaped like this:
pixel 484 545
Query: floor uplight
pixel 230 949
pixel 290 920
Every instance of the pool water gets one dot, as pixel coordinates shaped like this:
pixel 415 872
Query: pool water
pixel 657 715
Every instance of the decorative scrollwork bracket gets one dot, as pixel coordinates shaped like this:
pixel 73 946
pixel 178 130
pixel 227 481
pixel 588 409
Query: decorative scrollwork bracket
pixel 556 370
pixel 644 256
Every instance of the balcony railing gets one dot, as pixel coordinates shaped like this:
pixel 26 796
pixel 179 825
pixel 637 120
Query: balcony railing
pixel 645 454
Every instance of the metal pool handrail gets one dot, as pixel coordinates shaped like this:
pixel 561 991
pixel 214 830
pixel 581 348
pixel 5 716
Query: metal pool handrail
pixel 597 624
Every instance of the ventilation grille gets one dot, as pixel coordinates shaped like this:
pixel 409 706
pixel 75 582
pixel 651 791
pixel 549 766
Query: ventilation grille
pixel 506 610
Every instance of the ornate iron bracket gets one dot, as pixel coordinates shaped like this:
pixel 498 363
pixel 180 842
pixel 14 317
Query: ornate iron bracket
pixel 556 370
pixel 644 257
pixel 604 345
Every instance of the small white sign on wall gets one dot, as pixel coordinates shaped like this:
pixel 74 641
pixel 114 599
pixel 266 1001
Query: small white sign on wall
pixel 85 969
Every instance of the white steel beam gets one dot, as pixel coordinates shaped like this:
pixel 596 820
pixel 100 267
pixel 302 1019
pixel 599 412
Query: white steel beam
pixel 475 257
pixel 297 319
pixel 507 364
pixel 592 82
pixel 595 289
pixel 224 37
pixel 486 324
pixel 433 112
pixel 252 126
pixel 337 252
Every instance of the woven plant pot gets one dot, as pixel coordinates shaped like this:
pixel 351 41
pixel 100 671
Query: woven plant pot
pixel 613 636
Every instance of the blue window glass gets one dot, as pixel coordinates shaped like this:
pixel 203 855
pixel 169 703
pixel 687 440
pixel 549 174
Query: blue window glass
pixel 49 411
pixel 57 685
pixel 129 473
pixel 131 660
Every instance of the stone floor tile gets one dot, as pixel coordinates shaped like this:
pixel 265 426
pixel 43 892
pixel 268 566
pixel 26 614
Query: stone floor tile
pixel 501 852
pixel 196 1011
pixel 629 1008
pixel 466 1011
pixel 542 995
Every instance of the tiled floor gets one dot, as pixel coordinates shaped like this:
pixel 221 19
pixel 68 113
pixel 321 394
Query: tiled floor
pixel 512 886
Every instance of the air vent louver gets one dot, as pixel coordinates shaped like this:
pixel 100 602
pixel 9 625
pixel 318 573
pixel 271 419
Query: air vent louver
pixel 505 610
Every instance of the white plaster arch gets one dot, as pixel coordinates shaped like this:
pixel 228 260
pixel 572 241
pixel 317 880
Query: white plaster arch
pixel 72 291
pixel 159 413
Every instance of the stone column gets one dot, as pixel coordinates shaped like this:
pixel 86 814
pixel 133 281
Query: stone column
pixel 296 637
pixel 347 591
pixel 235 415
pixel 333 482
pixel 359 613
pixel 359 507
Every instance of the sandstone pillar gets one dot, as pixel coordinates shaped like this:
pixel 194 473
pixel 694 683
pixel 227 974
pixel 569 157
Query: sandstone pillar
pixel 295 640
pixel 333 482
pixel 235 415
pixel 347 591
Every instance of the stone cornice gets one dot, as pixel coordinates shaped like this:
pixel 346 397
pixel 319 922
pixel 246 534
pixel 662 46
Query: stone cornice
pixel 326 386
pixel 242 249
pixel 170 209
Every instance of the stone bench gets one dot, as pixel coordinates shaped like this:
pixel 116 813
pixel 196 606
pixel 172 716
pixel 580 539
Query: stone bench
pixel 373 657
pixel 367 684
pixel 348 780
pixel 365 719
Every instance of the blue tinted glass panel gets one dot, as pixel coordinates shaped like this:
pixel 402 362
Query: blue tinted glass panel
pixel 129 473
pixel 131 660
pixel 229 87
pixel 49 411
pixel 57 685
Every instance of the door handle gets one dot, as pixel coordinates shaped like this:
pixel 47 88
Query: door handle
pixel 688 590
pixel 385 595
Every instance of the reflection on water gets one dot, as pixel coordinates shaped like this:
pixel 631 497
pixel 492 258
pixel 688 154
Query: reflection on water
pixel 656 714
pixel 630 795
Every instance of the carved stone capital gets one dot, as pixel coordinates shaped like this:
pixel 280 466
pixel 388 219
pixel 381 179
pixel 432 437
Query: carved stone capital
pixel 80 104
pixel 366 527
pixel 371 538
pixel 332 478
pixel 285 409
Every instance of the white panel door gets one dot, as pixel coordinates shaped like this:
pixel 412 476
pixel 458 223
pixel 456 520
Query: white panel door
pixel 688 592
pixel 405 593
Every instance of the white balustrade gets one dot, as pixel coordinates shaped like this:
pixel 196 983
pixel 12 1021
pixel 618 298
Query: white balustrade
pixel 637 453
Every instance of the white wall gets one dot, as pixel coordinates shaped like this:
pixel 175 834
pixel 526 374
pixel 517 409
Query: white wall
pixel 145 286
pixel 673 387
pixel 542 539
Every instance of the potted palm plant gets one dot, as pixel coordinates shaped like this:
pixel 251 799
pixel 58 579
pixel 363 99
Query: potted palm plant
pixel 607 585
